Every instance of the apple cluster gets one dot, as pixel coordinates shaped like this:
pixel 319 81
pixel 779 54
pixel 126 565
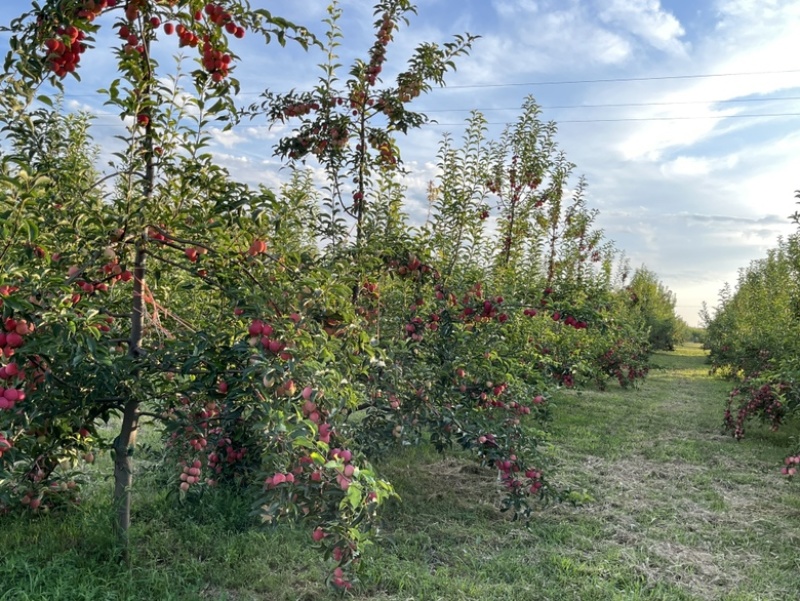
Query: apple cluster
pixel 475 308
pixel 11 338
pixel 186 37
pixel 377 54
pixel 569 320
pixel 202 438
pixel 190 475
pixel 64 50
pixel 412 268
pixel 111 272
pixel 222 18
pixel 261 333
pixel 65 47
pixel 92 8
pixel 764 399
pixel 344 472
pixel 216 62
pixel 790 468
pixel 510 472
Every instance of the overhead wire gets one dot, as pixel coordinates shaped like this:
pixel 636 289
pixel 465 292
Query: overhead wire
pixel 594 106
pixel 610 120
pixel 623 119
pixel 620 104
pixel 557 82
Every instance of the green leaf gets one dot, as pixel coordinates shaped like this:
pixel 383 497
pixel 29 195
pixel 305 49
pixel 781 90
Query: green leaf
pixel 354 495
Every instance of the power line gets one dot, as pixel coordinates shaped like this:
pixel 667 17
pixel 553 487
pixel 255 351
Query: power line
pixel 555 82
pixel 560 121
pixel 619 104
pixel 618 79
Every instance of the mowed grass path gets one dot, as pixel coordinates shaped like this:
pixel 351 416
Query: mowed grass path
pixel 681 512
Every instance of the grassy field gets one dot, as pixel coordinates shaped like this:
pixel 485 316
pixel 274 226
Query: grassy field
pixel 681 512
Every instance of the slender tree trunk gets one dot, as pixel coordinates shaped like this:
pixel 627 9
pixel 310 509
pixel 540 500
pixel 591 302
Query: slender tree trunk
pixel 125 443
pixel 123 473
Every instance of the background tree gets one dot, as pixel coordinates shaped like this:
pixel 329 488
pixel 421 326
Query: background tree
pixel 655 305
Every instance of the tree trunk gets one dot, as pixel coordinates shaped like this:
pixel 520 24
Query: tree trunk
pixel 126 441
pixel 123 474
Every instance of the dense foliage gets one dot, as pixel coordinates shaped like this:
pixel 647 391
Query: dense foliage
pixel 655 305
pixel 284 339
pixel 752 335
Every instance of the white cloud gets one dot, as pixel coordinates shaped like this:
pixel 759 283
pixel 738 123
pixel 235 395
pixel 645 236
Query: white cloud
pixel 544 37
pixel 232 158
pixel 265 132
pixel 226 137
pixel 750 39
pixel 647 20
pixel 695 166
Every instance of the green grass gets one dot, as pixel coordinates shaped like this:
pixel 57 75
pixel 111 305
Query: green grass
pixel 681 512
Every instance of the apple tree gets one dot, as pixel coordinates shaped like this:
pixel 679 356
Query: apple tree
pixel 160 290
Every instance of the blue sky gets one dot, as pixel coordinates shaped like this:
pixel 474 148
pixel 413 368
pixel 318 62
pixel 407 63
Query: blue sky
pixel 686 179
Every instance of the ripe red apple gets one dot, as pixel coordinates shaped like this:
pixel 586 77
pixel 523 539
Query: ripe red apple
pixel 257 247
pixel 256 328
pixel 14 340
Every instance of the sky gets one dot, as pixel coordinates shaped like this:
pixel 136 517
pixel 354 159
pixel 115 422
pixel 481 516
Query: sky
pixel 683 115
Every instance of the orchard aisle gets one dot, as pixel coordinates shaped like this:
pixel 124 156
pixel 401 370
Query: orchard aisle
pixel 679 506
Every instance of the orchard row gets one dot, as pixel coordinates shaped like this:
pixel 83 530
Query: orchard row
pixel 753 339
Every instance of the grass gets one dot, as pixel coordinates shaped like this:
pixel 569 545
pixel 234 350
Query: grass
pixel 681 512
